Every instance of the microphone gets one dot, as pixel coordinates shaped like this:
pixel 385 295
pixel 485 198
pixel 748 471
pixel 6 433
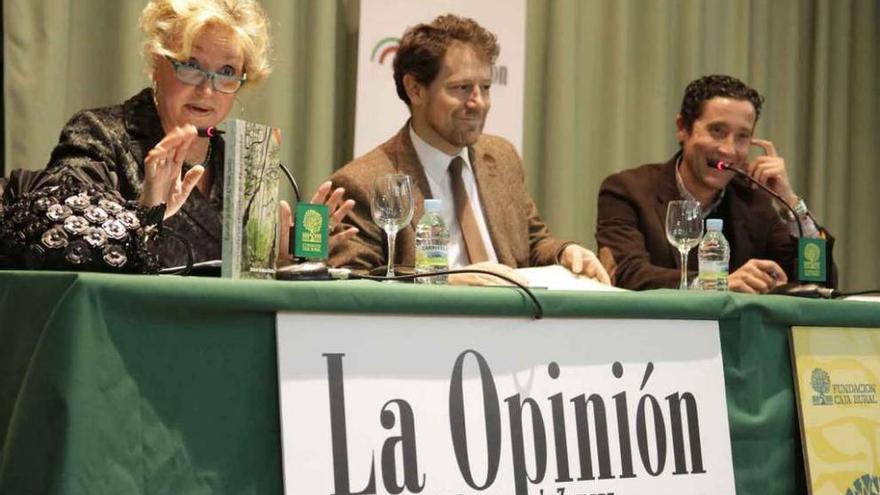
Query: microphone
pixel 721 165
pixel 211 131
pixel 792 288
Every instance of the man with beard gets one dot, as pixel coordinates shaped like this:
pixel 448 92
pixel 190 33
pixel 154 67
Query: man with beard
pixel 716 123
pixel 443 72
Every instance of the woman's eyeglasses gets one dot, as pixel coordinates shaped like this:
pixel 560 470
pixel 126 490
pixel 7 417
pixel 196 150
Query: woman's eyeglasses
pixel 193 75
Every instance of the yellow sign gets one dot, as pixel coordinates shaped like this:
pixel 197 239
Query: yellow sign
pixel 837 373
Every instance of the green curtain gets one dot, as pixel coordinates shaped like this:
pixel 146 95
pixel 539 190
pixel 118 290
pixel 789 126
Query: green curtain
pixel 604 82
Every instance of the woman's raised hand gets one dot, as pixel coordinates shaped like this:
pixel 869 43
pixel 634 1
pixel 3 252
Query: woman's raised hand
pixel 163 182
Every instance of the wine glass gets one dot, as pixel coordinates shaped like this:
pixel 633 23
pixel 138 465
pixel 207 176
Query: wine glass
pixel 684 229
pixel 392 208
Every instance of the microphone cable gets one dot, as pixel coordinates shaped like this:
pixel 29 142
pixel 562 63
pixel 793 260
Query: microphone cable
pixel 292 181
pixel 539 310
pixel 724 166
pixel 835 294
pixel 187 250
pixel 816 291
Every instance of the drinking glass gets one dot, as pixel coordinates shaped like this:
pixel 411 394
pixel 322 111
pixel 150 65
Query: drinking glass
pixel 392 208
pixel 684 229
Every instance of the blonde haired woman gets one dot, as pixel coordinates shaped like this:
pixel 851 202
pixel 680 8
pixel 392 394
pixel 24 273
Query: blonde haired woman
pixel 199 54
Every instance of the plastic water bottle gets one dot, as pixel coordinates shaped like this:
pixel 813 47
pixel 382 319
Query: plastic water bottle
pixel 714 255
pixel 432 244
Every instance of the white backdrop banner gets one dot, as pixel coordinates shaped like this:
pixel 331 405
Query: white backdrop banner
pixel 379 113
pixel 375 404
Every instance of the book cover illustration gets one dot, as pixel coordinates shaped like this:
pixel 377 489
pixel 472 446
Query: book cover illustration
pixel 250 200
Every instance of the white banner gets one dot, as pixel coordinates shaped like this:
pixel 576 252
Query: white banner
pixel 452 405
pixel 379 113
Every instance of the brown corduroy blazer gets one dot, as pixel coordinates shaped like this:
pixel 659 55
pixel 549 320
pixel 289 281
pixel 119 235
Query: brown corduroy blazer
pixel 518 234
pixel 631 222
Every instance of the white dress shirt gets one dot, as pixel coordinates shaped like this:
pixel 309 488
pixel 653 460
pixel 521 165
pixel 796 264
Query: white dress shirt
pixel 436 165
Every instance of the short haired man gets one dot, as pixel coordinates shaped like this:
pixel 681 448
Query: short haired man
pixel 443 72
pixel 716 122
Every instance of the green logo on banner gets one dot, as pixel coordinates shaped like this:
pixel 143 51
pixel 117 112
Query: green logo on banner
pixel 310 232
pixel 811 260
pixel 820 380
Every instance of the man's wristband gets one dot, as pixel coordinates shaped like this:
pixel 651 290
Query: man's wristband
pixel 801 208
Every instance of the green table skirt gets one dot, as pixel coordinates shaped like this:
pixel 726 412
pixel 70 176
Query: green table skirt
pixel 164 385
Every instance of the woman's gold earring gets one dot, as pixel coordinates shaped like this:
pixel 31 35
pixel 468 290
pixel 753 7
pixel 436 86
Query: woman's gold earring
pixel 240 106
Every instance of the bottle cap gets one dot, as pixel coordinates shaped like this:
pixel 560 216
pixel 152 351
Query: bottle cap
pixel 714 224
pixel 433 205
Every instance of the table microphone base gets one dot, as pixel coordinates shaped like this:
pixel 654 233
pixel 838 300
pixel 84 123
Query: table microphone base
pixel 803 290
pixel 310 270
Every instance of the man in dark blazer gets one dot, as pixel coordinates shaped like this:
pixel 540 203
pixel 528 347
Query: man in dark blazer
pixel 443 72
pixel 716 122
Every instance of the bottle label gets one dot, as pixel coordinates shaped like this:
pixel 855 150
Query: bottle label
pixel 711 271
pixel 432 256
pixel 432 248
